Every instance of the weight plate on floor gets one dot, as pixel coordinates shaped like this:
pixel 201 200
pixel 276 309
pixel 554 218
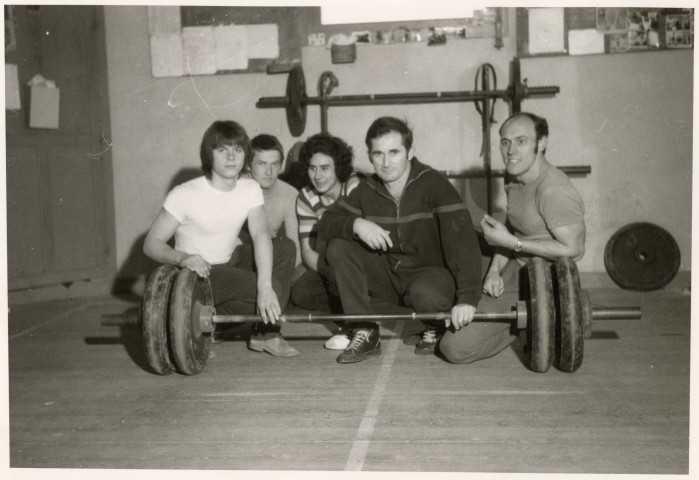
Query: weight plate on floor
pixel 154 318
pixel 540 328
pixel 642 256
pixel 189 346
pixel 586 305
pixel 569 321
pixel 296 101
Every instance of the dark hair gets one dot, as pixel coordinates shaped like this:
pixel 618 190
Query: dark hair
pixel 218 134
pixel 384 125
pixel 541 126
pixel 264 142
pixel 334 147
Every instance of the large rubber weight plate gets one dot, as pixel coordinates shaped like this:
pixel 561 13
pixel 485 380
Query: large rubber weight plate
pixel 586 305
pixel 642 256
pixel 154 319
pixel 189 346
pixel 296 101
pixel 540 328
pixel 569 326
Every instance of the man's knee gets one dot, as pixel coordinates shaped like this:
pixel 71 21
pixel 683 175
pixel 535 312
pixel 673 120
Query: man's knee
pixel 284 248
pixel 455 351
pixel 425 299
pixel 338 251
pixel 475 342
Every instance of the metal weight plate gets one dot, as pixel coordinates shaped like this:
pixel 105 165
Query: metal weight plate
pixel 642 256
pixel 296 101
pixel 569 327
pixel 586 305
pixel 154 316
pixel 540 328
pixel 189 346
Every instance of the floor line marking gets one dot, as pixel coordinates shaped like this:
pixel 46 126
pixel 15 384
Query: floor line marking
pixel 360 447
pixel 57 317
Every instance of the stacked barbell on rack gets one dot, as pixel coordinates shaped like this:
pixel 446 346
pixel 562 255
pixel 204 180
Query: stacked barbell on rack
pixel 177 318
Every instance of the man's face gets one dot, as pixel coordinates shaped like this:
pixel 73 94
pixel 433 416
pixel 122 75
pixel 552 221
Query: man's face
pixel 389 157
pixel 518 145
pixel 321 172
pixel 228 161
pixel 265 167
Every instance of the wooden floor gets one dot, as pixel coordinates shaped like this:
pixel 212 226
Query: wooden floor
pixel 81 397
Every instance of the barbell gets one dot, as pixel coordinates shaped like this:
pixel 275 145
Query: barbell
pixel 177 318
pixel 296 100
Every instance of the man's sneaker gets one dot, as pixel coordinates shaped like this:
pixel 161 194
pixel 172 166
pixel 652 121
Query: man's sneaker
pixel 217 335
pixel 364 343
pixel 275 346
pixel 339 341
pixel 427 343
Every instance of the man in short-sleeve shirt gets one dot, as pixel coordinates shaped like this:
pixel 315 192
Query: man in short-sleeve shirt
pixel 546 216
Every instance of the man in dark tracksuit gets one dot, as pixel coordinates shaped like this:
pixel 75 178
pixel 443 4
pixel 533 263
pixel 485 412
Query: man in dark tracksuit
pixel 404 236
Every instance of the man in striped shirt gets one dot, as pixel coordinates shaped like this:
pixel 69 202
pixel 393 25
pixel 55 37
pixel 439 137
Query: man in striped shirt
pixel 327 160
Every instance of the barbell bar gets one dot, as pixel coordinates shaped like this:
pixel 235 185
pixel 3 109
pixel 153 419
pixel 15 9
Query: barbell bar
pixel 208 319
pixel 296 100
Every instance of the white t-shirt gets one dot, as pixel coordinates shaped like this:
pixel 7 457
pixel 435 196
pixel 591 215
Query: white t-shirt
pixel 210 220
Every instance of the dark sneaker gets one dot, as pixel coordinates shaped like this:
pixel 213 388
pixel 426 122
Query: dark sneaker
pixel 427 343
pixel 217 335
pixel 364 344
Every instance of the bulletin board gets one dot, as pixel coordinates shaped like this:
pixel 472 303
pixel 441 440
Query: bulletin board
pixel 206 40
pixel 591 30
pixel 293 25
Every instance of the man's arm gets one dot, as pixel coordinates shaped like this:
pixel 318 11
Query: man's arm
pixel 156 247
pixel 291 227
pixel 567 241
pixel 493 283
pixel 267 302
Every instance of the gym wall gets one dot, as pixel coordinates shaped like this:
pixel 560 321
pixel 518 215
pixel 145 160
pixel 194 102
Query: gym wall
pixel 628 116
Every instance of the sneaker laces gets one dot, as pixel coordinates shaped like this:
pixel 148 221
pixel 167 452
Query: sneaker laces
pixel 360 337
pixel 429 336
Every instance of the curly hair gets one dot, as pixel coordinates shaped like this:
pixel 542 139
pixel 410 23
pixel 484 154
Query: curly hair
pixel 218 134
pixel 334 147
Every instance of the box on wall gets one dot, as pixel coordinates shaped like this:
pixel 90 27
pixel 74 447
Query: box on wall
pixel 44 107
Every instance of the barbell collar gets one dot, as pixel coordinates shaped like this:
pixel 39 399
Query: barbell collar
pixel 118 320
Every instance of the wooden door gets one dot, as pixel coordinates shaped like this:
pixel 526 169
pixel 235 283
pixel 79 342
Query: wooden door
pixel 60 200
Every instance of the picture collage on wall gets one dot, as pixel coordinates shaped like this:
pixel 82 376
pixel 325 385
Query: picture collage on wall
pixel 634 29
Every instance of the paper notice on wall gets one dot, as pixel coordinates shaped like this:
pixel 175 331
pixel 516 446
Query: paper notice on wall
pixel 12 101
pixel 585 42
pixel 231 47
pixel 199 50
pixel 166 56
pixel 263 40
pixel 546 30
pixel 164 21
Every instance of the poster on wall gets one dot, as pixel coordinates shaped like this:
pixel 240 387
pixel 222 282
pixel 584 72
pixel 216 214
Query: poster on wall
pixel 611 20
pixel 679 31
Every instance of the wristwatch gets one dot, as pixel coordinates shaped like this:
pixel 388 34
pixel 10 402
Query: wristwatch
pixel 518 246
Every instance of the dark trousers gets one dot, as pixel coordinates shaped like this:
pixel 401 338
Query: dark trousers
pixel 234 284
pixel 361 273
pixel 480 340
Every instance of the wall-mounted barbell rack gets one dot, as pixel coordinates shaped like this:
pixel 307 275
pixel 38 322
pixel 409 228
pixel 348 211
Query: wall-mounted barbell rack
pixel 484 95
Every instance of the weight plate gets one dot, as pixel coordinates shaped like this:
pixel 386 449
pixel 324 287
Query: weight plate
pixel 569 328
pixel 540 328
pixel 642 256
pixel 189 346
pixel 586 305
pixel 154 316
pixel 296 101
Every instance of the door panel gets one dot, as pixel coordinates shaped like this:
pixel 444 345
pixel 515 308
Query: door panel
pixel 60 197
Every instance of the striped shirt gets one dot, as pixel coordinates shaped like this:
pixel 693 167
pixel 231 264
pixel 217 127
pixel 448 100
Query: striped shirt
pixel 310 206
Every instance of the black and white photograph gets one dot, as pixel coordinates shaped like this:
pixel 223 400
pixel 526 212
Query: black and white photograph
pixel 389 239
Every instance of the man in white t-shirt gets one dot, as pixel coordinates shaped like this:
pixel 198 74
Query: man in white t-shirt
pixel 205 215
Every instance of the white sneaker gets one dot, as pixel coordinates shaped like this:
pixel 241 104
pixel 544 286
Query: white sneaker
pixel 339 341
